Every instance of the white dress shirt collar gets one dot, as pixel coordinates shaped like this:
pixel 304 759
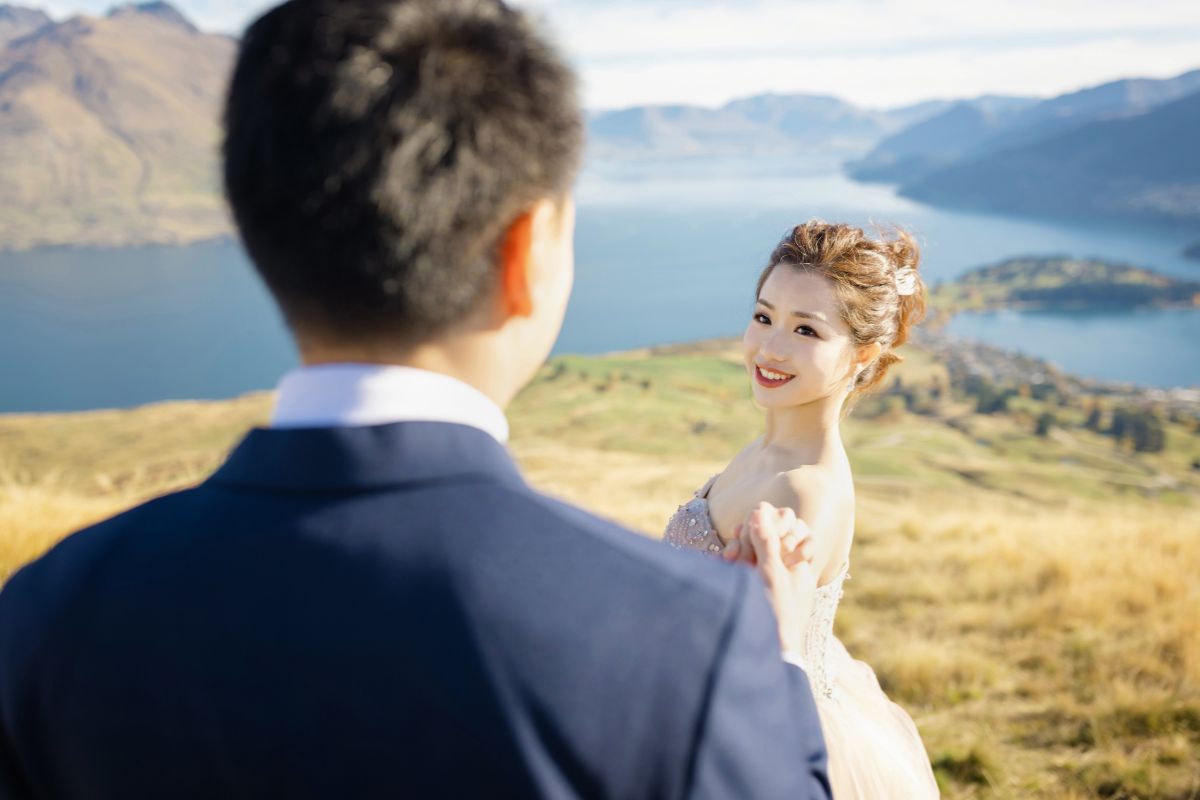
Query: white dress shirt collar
pixel 346 395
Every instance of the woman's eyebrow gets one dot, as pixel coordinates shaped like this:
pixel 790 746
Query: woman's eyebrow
pixel 805 314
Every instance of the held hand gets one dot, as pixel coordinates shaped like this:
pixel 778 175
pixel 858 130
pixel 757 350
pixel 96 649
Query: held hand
pixel 794 539
pixel 780 547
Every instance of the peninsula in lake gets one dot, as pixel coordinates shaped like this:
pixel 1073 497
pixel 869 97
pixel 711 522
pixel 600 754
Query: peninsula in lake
pixel 1061 284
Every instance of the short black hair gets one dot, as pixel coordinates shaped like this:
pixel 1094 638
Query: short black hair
pixel 376 151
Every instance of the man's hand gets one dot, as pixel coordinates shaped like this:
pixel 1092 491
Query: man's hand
pixel 780 547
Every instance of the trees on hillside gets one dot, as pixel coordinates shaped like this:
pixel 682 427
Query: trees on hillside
pixel 1142 428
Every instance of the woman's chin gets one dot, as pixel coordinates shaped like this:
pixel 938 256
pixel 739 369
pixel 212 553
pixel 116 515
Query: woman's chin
pixel 783 398
pixel 772 398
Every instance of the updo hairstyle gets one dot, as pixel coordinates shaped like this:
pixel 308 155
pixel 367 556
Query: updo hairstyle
pixel 864 272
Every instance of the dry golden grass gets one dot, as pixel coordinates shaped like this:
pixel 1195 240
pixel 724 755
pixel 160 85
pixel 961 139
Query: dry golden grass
pixel 1044 652
pixel 1044 634
pixel 32 518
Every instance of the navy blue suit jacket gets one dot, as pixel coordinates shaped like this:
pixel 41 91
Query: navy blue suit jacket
pixel 390 612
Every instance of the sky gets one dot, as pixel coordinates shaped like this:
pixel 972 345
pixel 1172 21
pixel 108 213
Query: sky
pixel 874 53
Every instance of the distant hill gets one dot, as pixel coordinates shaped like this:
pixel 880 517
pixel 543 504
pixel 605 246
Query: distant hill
pixel 907 116
pixel 678 130
pixel 16 21
pixel 976 128
pixel 1145 168
pixel 1114 100
pixel 770 124
pixel 109 130
pixel 939 140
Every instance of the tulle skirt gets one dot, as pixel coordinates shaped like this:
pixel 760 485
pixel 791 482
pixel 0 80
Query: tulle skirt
pixel 875 751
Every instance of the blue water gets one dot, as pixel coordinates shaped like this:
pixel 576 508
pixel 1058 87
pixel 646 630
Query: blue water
pixel 663 258
pixel 101 328
pixel 1156 348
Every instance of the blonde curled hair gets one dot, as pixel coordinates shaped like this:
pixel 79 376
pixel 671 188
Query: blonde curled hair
pixel 864 274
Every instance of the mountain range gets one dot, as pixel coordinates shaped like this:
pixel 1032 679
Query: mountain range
pixel 814 126
pixel 16 22
pixel 1124 150
pixel 109 128
pixel 109 136
pixel 972 128
pixel 1142 168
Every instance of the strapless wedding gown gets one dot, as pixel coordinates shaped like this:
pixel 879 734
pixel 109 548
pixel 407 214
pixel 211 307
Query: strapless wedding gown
pixel 875 751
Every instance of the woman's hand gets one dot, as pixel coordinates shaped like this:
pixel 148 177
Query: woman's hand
pixel 780 547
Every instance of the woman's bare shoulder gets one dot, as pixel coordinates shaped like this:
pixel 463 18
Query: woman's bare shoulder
pixel 824 500
pixel 810 487
pixel 735 471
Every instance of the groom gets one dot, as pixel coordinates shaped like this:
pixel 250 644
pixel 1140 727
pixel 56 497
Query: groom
pixel 367 600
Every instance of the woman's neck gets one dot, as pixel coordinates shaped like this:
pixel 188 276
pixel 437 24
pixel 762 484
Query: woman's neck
pixel 812 429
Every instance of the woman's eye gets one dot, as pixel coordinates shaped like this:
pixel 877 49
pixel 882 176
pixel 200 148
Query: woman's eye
pixel 763 318
pixel 804 330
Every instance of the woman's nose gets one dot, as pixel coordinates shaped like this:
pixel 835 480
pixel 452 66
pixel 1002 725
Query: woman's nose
pixel 769 349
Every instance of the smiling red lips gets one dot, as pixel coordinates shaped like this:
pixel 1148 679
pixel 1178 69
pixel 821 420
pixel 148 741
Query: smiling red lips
pixel 769 378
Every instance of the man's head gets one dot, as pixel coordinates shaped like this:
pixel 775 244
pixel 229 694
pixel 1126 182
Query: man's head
pixel 398 167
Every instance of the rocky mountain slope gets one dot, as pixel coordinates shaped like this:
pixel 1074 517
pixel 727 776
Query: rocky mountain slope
pixel 109 130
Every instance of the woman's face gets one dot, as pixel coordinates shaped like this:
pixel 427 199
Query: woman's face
pixel 797 348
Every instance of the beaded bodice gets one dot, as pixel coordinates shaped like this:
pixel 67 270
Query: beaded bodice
pixel 691 527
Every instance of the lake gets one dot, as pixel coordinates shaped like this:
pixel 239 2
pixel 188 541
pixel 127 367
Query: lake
pixel 1155 348
pixel 665 257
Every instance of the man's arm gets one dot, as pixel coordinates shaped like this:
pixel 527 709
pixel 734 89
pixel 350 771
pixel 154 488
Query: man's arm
pixel 11 785
pixel 760 736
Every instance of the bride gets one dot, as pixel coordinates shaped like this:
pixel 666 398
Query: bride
pixel 831 307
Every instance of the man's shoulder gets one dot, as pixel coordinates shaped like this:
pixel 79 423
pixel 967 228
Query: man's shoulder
pixel 68 566
pixel 51 595
pixel 573 528
pixel 511 510
pixel 540 541
pixel 530 548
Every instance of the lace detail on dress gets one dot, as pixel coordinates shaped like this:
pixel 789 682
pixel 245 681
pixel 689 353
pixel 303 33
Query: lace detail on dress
pixel 691 528
pixel 816 656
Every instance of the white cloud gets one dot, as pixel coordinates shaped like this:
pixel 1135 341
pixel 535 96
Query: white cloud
pixel 658 29
pixel 890 80
pixel 873 52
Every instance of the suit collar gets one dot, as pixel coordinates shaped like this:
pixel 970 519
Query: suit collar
pixel 365 457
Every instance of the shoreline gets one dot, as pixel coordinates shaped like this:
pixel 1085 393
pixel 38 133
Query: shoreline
pixel 226 237
pixel 999 364
pixel 974 356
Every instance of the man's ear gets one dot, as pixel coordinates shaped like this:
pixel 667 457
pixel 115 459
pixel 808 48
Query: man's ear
pixel 515 263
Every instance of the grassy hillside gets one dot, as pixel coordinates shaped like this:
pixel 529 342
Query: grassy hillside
pixel 1031 600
